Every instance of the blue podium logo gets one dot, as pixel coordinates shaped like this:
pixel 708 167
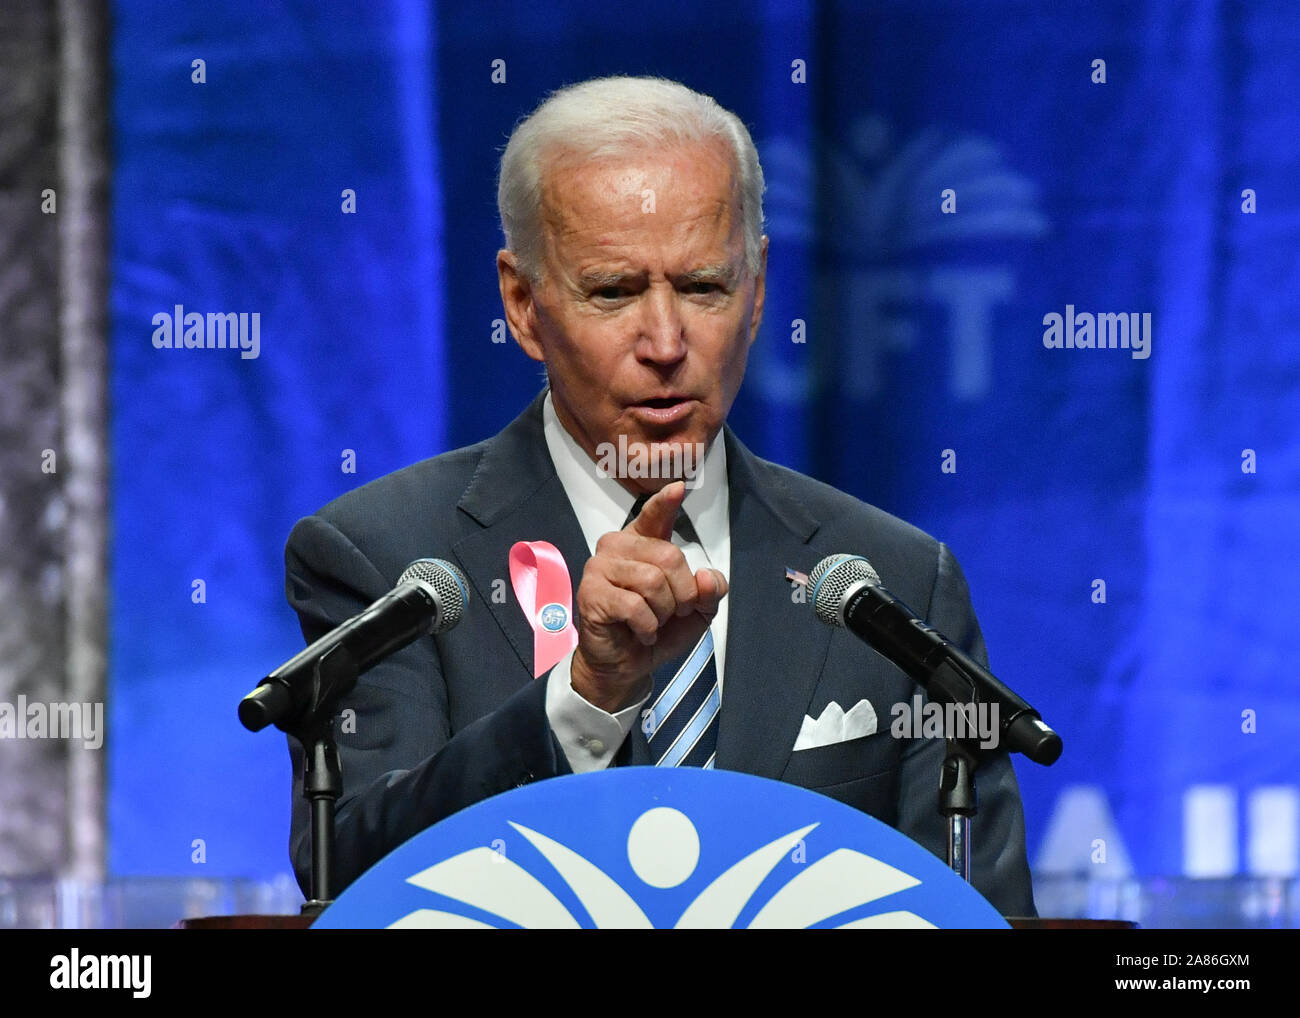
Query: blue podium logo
pixel 650 847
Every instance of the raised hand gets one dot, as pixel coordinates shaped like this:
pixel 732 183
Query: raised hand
pixel 639 605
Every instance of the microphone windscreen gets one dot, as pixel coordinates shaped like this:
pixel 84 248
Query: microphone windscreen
pixel 448 584
pixel 831 577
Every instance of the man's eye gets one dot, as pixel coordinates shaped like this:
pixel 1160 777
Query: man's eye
pixel 610 292
pixel 705 288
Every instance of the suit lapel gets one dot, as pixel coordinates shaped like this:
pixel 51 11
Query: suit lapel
pixel 775 649
pixel 515 495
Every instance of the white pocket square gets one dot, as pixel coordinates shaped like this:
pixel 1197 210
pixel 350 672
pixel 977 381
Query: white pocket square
pixel 836 726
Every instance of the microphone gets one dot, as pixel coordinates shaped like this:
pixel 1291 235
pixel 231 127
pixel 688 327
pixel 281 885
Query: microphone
pixel 846 592
pixel 429 598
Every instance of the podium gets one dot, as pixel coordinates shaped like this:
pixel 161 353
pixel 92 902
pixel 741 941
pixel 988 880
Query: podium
pixel 301 922
pixel 656 848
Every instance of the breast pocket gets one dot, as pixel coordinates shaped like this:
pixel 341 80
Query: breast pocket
pixel 862 773
pixel 853 760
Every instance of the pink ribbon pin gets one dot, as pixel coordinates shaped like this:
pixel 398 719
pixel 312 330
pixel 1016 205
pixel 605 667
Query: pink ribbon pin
pixel 541 580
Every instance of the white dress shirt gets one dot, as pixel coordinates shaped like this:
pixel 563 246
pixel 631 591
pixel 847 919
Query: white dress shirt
pixel 591 736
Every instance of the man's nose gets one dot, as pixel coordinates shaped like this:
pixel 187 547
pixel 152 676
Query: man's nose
pixel 662 336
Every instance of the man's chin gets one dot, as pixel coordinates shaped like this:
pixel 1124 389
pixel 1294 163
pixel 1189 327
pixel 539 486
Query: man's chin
pixel 644 463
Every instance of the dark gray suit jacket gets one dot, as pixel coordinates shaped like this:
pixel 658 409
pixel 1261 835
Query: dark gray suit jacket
pixel 456 718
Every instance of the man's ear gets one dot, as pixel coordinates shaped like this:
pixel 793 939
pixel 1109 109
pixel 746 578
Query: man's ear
pixel 760 292
pixel 517 299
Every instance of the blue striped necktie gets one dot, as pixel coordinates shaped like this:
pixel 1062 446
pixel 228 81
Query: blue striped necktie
pixel 680 720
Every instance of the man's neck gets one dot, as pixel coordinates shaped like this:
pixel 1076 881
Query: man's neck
pixel 608 496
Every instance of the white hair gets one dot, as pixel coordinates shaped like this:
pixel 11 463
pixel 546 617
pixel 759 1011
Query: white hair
pixel 612 117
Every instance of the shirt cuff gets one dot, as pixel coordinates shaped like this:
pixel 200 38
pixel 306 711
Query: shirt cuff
pixel 588 735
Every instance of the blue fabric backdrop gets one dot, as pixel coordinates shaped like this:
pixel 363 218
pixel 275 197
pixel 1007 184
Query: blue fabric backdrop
pixel 924 333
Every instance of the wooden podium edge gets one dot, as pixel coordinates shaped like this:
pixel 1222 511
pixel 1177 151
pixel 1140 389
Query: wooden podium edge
pixel 302 922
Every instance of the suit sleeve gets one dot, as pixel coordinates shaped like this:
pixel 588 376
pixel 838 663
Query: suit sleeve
pixel 999 864
pixel 403 768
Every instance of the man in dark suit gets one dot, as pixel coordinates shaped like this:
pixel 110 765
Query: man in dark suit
pixel 634 270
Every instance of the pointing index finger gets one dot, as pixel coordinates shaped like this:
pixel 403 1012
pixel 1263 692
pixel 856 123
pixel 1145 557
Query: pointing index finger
pixel 658 515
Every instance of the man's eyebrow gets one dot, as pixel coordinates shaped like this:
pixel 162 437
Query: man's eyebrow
pixel 722 274
pixel 597 278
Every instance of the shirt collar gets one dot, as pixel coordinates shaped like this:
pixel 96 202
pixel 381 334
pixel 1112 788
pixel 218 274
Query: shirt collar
pixel 602 504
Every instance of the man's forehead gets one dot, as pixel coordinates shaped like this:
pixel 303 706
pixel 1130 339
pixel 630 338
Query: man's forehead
pixel 699 174
pixel 690 191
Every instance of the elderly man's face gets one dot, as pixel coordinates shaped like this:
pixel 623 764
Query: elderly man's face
pixel 645 311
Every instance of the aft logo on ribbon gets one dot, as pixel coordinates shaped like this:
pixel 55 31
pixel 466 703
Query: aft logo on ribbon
pixel 554 617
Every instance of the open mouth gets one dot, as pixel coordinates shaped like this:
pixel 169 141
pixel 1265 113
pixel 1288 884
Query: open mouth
pixel 664 410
